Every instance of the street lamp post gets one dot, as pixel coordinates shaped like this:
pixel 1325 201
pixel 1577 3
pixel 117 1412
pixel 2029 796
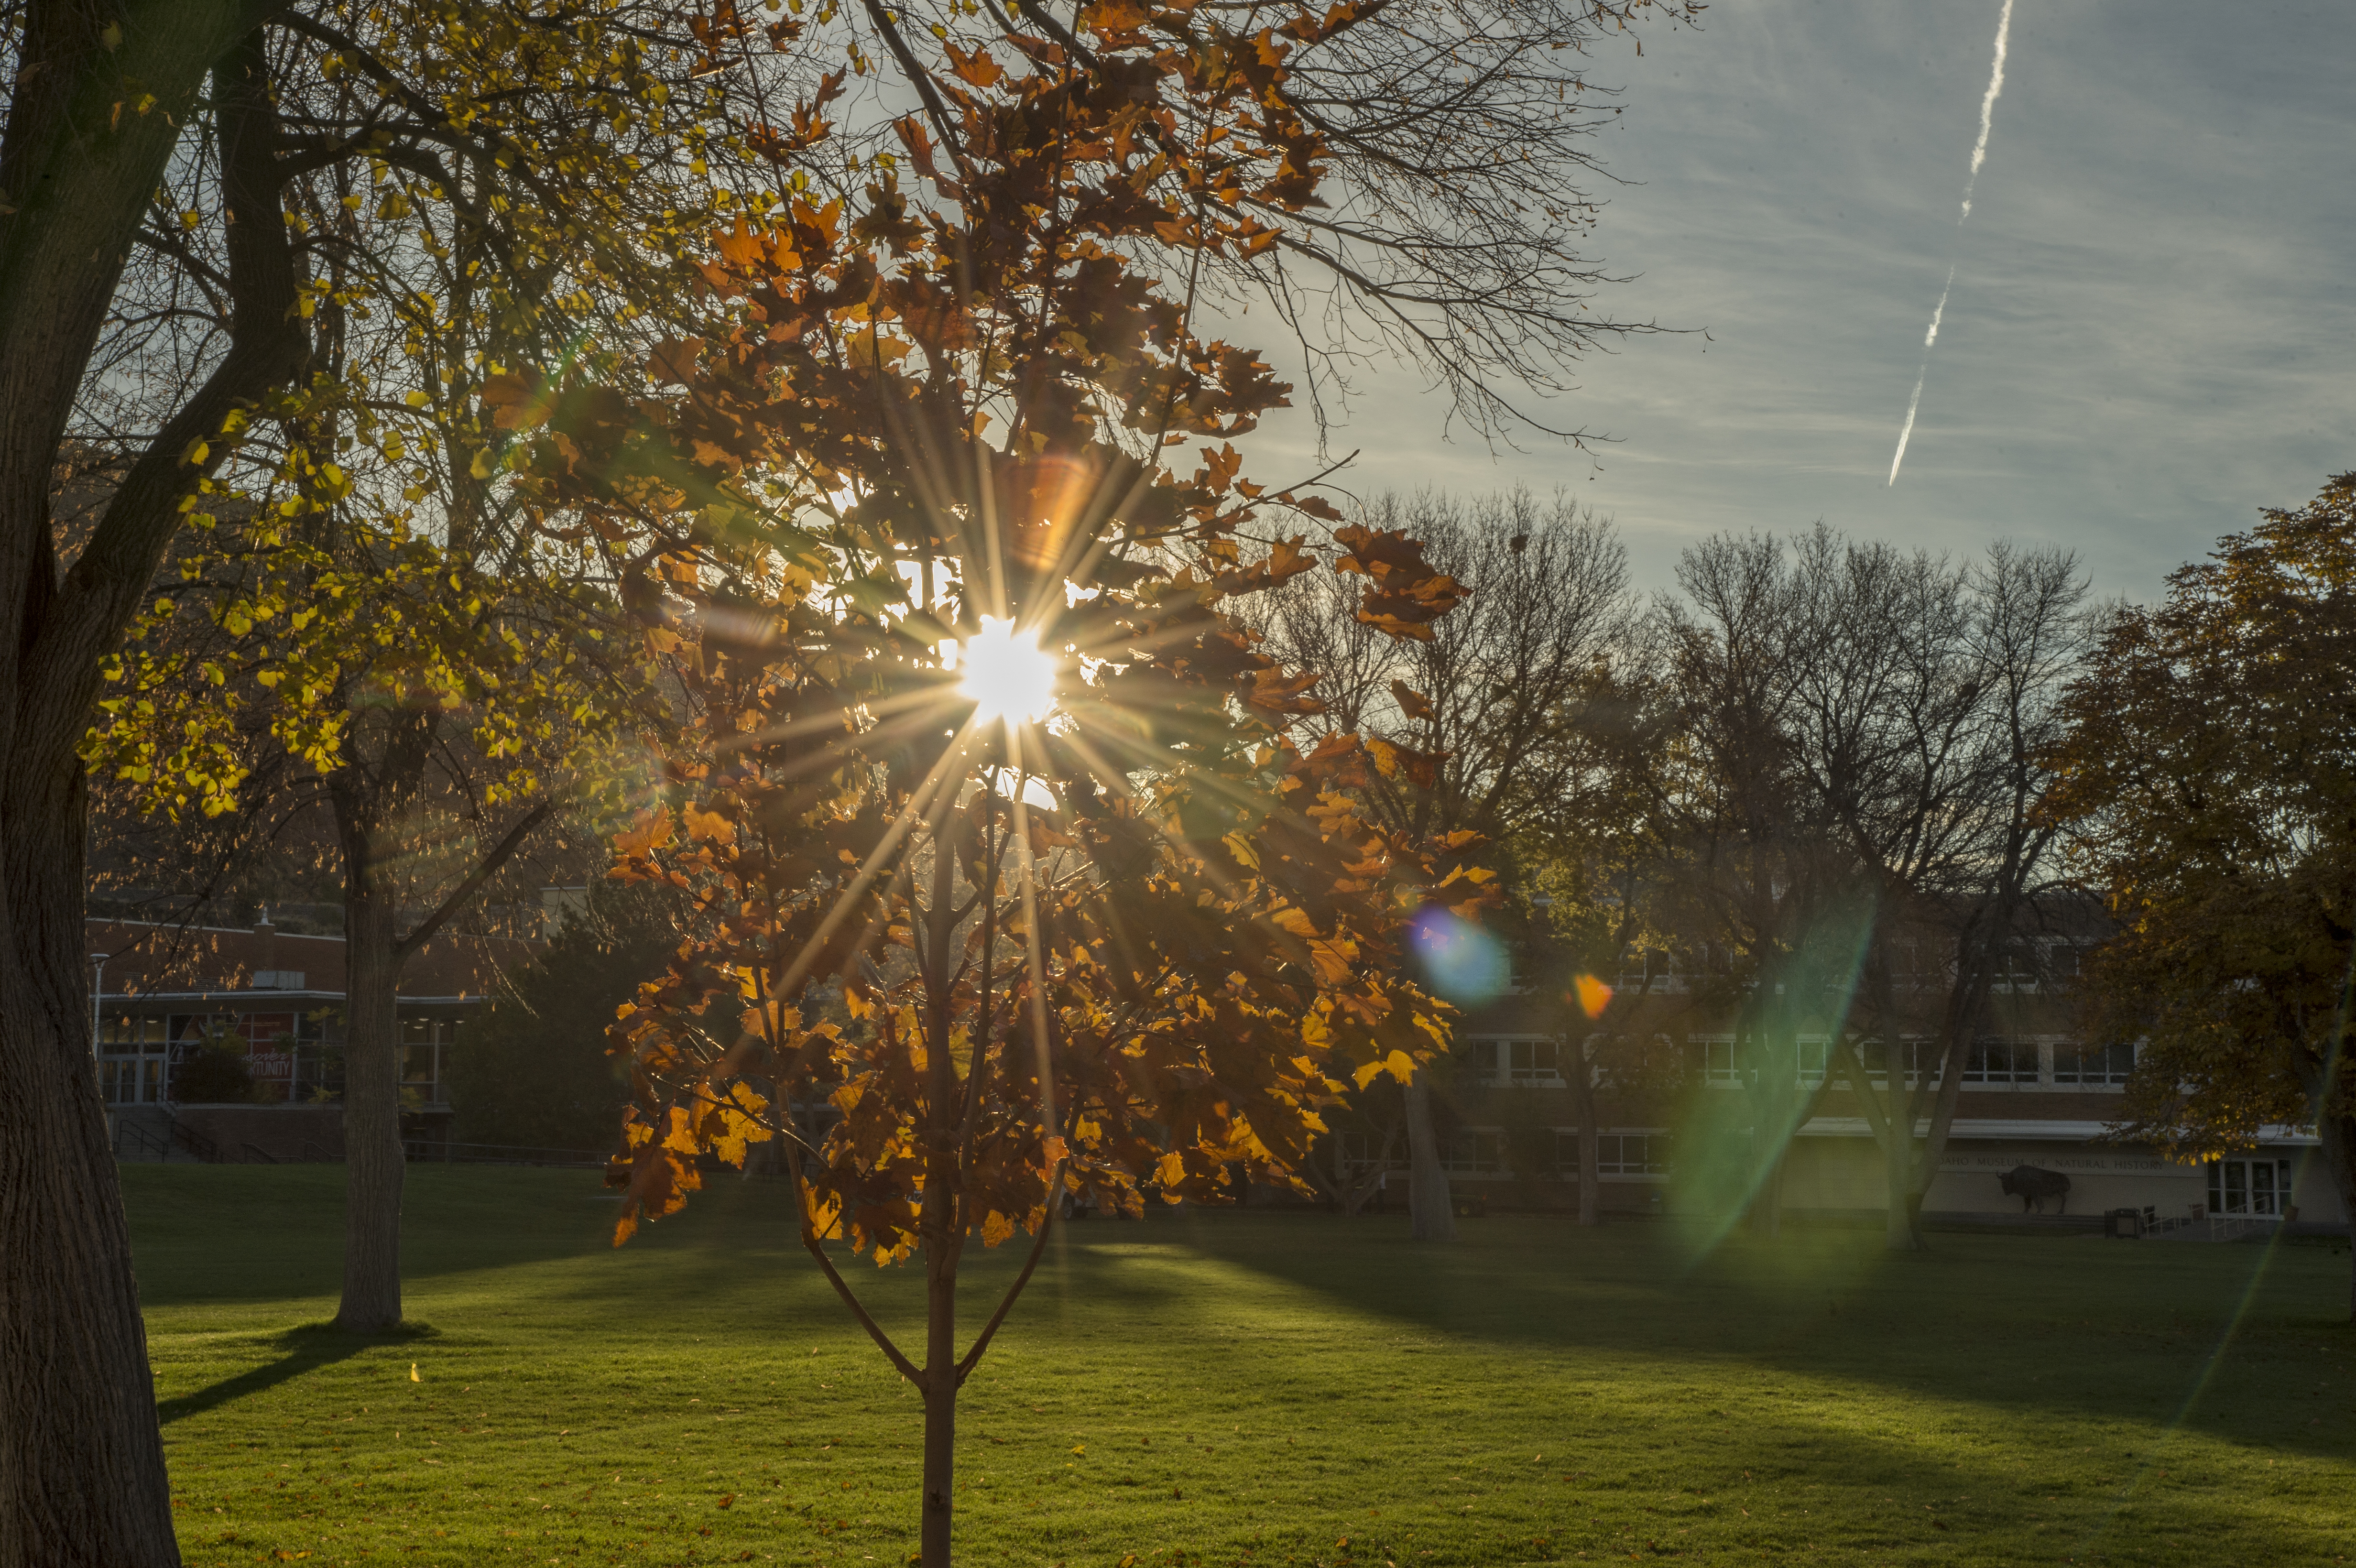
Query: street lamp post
pixel 97 989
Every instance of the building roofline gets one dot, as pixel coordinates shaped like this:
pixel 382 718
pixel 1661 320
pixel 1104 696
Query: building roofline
pixel 226 995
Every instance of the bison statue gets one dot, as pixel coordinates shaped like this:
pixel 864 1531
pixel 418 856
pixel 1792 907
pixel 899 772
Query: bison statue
pixel 2033 1184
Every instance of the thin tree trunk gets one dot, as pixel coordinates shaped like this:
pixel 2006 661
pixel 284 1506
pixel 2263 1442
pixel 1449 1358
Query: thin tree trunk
pixel 1771 1099
pixel 941 1401
pixel 1431 1208
pixel 1590 1138
pixel 81 1464
pixel 375 1166
pixel 941 1219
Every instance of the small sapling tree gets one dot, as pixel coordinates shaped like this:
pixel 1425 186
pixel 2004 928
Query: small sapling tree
pixel 968 726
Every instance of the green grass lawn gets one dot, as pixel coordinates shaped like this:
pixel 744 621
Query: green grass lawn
pixel 1229 1388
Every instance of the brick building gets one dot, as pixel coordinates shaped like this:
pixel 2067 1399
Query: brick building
pixel 2032 1093
pixel 274 1000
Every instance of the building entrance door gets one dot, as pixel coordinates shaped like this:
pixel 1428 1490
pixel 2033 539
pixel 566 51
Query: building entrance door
pixel 2249 1186
pixel 130 1061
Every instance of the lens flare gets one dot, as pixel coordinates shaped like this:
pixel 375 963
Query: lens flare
pixel 1006 673
pixel 1594 995
pixel 1461 961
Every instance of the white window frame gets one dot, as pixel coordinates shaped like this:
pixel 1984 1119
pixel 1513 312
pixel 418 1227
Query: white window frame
pixel 2235 1179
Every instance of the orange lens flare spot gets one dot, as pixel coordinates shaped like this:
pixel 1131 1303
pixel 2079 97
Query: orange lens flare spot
pixel 1593 994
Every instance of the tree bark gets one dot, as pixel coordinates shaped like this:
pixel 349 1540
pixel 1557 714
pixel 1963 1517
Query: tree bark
pixel 375 1165
pixel 1431 1208
pixel 89 126
pixel 1581 1080
pixel 81 1464
pixel 2337 1134
pixel 1898 1171
pixel 940 1402
pixel 1776 1083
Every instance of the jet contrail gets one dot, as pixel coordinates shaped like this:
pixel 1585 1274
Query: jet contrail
pixel 1979 156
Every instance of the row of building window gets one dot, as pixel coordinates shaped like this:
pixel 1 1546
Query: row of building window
pixel 1481 1151
pixel 291 1058
pixel 2024 966
pixel 2251 1186
pixel 1534 1063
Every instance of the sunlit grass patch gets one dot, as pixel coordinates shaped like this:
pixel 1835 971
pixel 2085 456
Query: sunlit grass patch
pixel 1225 1388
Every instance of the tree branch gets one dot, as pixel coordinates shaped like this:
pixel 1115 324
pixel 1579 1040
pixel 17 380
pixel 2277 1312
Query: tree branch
pixel 501 854
pixel 817 1247
pixel 1038 1245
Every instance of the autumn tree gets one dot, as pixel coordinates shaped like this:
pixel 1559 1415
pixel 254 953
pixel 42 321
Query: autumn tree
pixel 174 184
pixel 2207 782
pixel 977 736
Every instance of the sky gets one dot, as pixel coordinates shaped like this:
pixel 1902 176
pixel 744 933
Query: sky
pixel 2152 329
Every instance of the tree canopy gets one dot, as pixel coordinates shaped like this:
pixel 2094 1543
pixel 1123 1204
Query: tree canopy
pixel 2208 780
pixel 972 732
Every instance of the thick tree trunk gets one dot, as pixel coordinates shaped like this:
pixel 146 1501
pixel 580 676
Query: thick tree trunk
pixel 1431 1208
pixel 81 1464
pixel 375 1166
pixel 1897 1170
pixel 2338 1136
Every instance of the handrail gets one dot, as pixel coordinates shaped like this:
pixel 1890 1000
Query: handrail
pixel 146 1140
pixel 259 1153
pixel 194 1142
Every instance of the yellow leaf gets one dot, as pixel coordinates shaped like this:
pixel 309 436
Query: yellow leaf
pixel 1333 960
pixel 1172 1170
pixel 995 1229
pixel 1295 920
pixel 702 824
pixel 412 1373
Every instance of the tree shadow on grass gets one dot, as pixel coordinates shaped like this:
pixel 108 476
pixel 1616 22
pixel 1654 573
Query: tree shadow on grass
pixel 301 1350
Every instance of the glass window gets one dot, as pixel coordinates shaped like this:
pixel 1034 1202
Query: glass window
pixel 1717 1063
pixel 2000 1061
pixel 1527 1060
pixel 2249 1186
pixel 1812 1060
pixel 2094 1066
pixel 1362 1152
pixel 1633 1153
pixel 1471 1151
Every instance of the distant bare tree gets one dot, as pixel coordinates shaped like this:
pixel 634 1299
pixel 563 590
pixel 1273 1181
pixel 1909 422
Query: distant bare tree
pixel 1477 727
pixel 1934 752
pixel 1847 833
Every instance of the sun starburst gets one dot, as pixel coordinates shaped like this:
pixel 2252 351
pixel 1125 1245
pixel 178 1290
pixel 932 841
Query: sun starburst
pixel 1006 674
